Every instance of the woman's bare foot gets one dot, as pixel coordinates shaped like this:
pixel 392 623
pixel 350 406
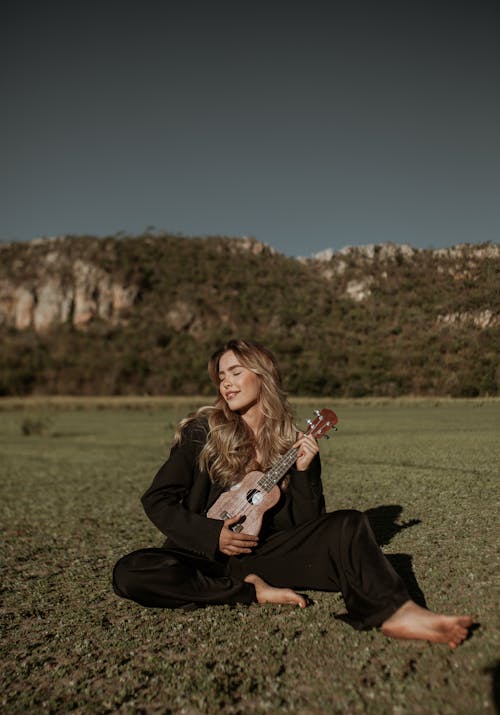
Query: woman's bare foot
pixel 414 622
pixel 269 594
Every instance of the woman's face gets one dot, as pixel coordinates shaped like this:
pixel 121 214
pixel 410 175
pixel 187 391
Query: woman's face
pixel 239 386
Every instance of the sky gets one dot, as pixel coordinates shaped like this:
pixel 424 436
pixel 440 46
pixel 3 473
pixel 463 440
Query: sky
pixel 307 125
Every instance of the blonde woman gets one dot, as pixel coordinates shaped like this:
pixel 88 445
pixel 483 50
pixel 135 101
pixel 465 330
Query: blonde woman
pixel 300 546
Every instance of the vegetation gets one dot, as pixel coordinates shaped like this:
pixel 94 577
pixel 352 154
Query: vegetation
pixel 34 425
pixel 195 293
pixel 426 472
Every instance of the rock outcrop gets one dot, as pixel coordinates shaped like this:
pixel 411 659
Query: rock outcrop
pixel 481 319
pixel 461 262
pixel 61 293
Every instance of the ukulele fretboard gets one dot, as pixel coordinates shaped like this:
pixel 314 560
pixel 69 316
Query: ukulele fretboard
pixel 272 477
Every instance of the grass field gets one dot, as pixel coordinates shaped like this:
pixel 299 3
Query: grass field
pixel 71 478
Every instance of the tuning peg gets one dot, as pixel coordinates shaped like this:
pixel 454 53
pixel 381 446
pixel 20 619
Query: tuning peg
pixel 309 422
pixel 317 413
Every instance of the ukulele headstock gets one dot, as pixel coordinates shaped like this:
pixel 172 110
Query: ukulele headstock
pixel 324 421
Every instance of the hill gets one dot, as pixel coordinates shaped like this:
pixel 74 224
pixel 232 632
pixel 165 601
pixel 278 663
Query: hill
pixel 140 315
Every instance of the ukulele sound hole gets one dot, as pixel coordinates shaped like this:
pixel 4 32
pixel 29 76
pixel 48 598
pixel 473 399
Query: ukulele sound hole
pixel 254 497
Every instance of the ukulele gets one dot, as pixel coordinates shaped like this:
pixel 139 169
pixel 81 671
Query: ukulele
pixel 258 491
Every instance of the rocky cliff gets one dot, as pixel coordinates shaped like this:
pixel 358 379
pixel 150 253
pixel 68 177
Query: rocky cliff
pixel 43 289
pixel 381 319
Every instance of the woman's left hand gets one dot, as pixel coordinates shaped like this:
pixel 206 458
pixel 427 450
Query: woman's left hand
pixel 307 447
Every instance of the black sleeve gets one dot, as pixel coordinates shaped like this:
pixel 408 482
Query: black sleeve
pixel 301 499
pixel 306 492
pixel 175 501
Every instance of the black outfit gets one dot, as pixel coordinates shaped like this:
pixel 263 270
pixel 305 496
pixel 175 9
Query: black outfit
pixel 300 546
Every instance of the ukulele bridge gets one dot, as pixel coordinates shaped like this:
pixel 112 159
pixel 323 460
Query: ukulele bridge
pixel 239 525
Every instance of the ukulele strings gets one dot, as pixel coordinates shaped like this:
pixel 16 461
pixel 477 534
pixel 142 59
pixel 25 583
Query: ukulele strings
pixel 243 507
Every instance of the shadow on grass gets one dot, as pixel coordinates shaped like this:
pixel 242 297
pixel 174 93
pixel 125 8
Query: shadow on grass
pixel 494 671
pixel 383 522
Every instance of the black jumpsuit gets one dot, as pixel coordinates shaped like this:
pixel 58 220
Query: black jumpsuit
pixel 300 546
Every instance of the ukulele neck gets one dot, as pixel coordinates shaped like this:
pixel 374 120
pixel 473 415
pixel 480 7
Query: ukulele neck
pixel 324 421
pixel 278 471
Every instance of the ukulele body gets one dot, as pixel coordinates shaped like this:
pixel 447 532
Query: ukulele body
pixel 257 492
pixel 249 500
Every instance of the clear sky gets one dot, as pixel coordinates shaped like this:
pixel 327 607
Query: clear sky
pixel 304 124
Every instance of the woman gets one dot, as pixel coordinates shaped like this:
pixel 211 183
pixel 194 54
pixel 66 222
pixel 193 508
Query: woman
pixel 204 561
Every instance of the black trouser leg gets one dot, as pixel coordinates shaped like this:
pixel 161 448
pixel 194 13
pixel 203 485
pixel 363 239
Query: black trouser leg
pixel 167 578
pixel 336 552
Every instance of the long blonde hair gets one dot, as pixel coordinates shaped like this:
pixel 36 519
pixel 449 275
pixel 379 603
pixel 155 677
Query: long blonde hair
pixel 230 450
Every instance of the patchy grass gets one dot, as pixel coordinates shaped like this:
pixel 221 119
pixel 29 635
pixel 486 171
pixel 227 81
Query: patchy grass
pixel 427 473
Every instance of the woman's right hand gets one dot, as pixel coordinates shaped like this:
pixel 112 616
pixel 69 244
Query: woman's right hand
pixel 232 543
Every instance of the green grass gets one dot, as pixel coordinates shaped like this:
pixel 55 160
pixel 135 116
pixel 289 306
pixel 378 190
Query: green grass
pixel 70 508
